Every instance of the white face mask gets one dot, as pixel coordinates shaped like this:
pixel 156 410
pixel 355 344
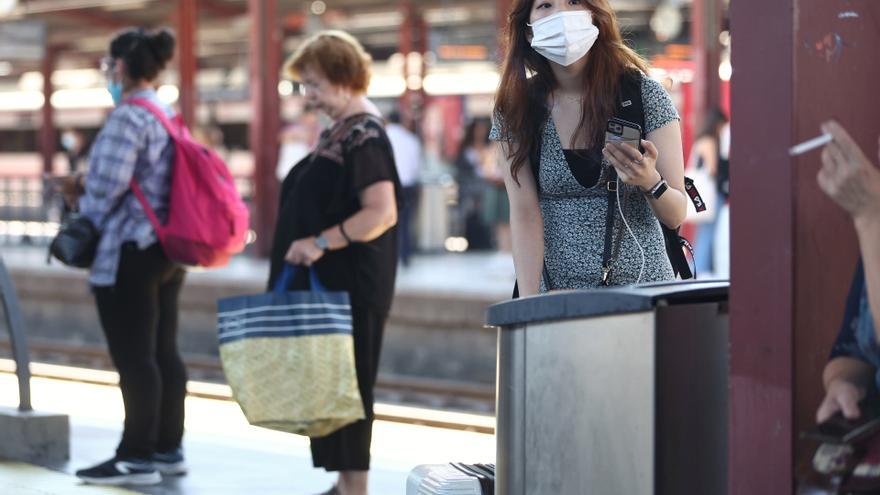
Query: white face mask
pixel 564 37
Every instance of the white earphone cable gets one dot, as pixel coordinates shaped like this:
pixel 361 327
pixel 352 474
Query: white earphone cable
pixel 639 244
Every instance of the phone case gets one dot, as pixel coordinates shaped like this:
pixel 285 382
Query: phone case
pixel 619 130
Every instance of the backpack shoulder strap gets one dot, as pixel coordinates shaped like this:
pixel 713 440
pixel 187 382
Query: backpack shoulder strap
pixel 158 113
pixel 629 105
pixel 135 187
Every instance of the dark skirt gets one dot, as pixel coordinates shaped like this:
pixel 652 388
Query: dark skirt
pixel 348 449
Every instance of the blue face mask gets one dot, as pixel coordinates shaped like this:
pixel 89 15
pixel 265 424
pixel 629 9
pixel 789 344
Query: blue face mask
pixel 115 89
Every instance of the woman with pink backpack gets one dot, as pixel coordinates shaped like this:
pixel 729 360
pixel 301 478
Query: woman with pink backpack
pixel 136 286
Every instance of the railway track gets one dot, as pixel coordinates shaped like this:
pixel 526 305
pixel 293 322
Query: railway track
pixel 413 400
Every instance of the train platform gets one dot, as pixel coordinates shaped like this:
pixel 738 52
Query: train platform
pixel 225 454
pixel 477 274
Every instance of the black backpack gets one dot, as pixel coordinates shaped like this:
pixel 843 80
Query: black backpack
pixel 631 108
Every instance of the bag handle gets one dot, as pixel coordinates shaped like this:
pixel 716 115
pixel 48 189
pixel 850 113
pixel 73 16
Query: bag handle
pixel 288 273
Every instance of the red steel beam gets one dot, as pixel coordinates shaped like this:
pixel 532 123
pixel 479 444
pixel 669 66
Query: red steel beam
pixel 95 18
pixel 265 60
pixel 405 46
pixel 706 19
pixel 413 38
pixel 187 23
pixel 48 136
pixel 221 9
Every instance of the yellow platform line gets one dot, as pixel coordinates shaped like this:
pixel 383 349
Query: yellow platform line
pixel 478 423
pixel 23 479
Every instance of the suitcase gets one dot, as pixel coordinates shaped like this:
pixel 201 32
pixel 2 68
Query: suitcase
pixel 454 478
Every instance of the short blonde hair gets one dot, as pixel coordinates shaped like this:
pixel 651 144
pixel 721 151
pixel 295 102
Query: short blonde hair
pixel 335 54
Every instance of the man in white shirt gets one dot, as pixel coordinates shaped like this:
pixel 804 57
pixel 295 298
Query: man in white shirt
pixel 407 149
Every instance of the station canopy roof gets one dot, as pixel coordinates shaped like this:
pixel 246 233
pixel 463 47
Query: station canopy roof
pixel 81 29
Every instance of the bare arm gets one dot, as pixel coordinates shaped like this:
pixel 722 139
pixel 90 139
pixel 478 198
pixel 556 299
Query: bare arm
pixel 671 208
pixel 378 213
pixel 853 182
pixel 706 149
pixel 526 225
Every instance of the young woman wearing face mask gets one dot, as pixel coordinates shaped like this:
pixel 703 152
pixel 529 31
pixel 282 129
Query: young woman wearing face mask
pixel 564 67
pixel 136 287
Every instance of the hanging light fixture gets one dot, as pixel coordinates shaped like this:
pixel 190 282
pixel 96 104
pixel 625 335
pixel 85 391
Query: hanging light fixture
pixel 666 21
pixel 7 6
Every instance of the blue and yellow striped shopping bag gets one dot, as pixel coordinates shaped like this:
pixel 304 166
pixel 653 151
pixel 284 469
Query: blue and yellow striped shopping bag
pixel 289 357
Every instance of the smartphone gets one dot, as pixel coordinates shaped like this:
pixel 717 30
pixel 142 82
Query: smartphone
pixel 839 430
pixel 624 131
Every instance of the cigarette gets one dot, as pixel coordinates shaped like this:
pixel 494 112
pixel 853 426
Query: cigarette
pixel 810 145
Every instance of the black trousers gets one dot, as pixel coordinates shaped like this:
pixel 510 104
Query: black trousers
pixel 408 208
pixel 348 449
pixel 139 318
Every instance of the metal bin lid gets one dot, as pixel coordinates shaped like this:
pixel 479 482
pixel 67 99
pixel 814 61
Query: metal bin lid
pixel 573 304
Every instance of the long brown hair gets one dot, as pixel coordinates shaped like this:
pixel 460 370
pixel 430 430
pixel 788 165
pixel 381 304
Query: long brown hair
pixel 521 101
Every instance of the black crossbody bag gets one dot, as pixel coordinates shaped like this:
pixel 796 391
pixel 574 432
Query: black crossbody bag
pixel 76 242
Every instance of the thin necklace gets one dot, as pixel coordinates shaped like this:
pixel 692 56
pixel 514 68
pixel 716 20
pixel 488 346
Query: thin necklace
pixel 579 98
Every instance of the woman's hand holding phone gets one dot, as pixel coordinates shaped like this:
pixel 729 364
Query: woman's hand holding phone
pixel 633 167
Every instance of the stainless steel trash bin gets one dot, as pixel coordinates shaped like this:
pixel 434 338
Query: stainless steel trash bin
pixel 616 391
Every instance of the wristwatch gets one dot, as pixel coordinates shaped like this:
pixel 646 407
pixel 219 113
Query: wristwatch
pixel 321 242
pixel 658 189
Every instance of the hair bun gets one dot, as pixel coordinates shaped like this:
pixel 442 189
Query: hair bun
pixel 162 43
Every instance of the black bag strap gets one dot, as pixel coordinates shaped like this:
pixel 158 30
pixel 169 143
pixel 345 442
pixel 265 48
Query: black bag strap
pixel 609 228
pixel 612 244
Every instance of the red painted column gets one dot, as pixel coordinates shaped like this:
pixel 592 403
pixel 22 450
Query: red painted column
pixel 48 133
pixel 796 63
pixel 761 296
pixel 405 46
pixel 420 45
pixel 187 27
pixel 706 18
pixel 265 61
pixel 413 39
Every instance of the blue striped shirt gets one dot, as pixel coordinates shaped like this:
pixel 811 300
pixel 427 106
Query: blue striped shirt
pixel 857 338
pixel 132 143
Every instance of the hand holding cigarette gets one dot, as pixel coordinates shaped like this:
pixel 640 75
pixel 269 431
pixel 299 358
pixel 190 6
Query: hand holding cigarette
pixel 847 176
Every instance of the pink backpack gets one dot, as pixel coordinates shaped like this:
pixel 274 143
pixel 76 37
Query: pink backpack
pixel 207 220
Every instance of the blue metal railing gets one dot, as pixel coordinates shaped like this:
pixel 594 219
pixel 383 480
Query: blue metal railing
pixel 29 212
pixel 18 339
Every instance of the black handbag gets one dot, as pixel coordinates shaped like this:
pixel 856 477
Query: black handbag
pixel 76 242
